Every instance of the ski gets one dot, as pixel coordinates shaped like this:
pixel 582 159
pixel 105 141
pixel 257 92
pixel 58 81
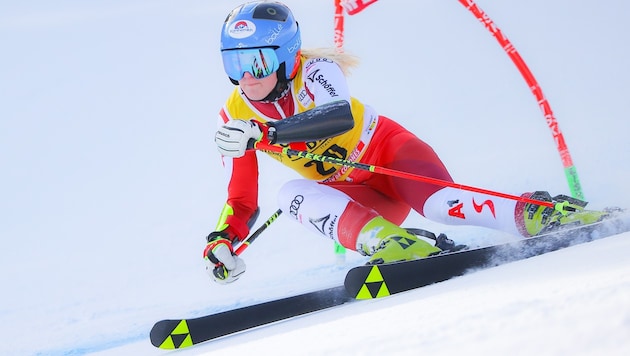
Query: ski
pixel 181 333
pixel 381 280
pixel 374 281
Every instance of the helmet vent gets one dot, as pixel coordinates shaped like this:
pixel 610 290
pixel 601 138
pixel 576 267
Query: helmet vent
pixel 271 12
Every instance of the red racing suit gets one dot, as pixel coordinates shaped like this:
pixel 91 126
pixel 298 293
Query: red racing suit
pixel 374 139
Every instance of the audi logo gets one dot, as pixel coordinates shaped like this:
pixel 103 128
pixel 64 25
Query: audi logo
pixel 295 205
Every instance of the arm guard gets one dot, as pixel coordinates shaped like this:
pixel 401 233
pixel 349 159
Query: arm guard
pixel 319 123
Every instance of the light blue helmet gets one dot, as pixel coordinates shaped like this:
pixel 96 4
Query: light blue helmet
pixel 262 24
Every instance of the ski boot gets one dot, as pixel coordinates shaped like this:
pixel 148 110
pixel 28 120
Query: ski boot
pixel 386 242
pixel 445 244
pixel 568 212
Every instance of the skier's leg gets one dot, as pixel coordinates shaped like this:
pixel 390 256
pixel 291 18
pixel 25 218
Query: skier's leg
pixel 399 149
pixel 461 207
pixel 331 213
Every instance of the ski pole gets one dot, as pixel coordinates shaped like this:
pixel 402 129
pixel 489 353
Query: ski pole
pixel 248 240
pixel 400 174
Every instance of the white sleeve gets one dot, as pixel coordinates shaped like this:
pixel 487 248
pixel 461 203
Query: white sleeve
pixel 325 81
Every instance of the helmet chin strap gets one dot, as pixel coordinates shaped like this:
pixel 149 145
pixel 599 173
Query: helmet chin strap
pixel 280 90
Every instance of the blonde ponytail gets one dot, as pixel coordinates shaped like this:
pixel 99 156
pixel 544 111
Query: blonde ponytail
pixel 344 60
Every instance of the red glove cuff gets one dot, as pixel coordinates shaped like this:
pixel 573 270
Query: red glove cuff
pixel 265 131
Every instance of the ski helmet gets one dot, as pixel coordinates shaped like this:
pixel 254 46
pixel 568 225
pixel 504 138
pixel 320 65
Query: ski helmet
pixel 270 30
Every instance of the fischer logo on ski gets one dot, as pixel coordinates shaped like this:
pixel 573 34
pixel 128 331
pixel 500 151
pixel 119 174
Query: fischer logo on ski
pixel 374 285
pixel 178 338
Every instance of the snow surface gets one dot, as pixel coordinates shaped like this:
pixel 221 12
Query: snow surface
pixel 110 178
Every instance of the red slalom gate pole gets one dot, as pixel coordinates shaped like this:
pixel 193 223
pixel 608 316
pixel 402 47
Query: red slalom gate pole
pixel 339 26
pixel 340 251
pixel 569 169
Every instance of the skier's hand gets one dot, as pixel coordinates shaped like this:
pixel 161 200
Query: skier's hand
pixel 233 137
pixel 222 264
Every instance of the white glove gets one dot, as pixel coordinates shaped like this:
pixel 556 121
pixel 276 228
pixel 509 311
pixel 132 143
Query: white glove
pixel 221 263
pixel 233 137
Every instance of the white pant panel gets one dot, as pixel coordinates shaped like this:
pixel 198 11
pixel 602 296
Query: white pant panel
pixel 461 207
pixel 316 206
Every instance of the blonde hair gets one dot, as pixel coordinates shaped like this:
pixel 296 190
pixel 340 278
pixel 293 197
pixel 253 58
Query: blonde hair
pixel 344 60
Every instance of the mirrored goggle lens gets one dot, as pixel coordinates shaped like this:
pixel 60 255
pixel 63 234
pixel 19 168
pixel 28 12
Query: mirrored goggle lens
pixel 259 62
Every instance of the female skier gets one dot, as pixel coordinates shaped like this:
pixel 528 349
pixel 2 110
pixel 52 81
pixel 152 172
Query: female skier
pixel 275 79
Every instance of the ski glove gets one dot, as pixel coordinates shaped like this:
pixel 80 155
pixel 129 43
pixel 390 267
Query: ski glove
pixel 222 264
pixel 233 137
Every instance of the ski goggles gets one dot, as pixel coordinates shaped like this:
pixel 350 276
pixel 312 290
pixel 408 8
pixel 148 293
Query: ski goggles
pixel 259 62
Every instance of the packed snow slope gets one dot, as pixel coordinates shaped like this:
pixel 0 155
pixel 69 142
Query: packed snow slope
pixel 111 180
